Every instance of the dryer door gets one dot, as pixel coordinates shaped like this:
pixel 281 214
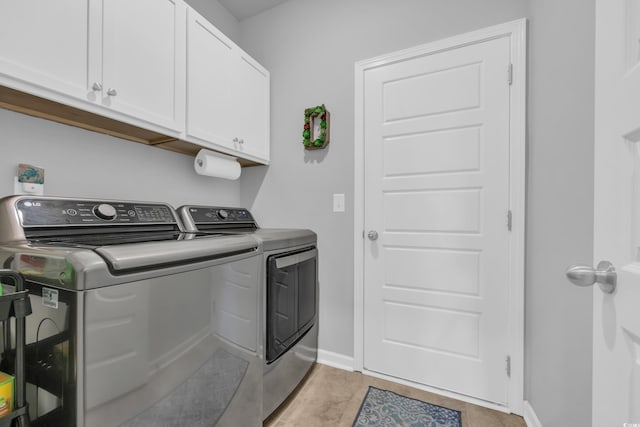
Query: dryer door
pixel 291 299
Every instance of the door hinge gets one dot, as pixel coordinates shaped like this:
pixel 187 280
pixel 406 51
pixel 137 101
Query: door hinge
pixel 509 219
pixel 508 365
pixel 510 74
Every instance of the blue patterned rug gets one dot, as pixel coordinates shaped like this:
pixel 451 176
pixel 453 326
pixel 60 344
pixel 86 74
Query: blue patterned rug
pixel 383 408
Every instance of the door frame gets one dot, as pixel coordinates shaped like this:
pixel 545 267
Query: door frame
pixel 517 33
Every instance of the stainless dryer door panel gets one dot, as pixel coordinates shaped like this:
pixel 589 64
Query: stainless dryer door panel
pixel 291 299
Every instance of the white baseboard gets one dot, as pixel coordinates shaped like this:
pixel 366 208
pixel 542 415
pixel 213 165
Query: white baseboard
pixel 335 360
pixel 530 417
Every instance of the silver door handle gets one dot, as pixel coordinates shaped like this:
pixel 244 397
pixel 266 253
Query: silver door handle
pixel 296 258
pixel 372 235
pixel 112 92
pixel 97 86
pixel 583 275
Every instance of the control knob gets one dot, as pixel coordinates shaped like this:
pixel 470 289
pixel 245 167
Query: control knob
pixel 223 214
pixel 105 211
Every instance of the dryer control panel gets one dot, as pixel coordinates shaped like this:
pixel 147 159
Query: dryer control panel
pixel 215 219
pixel 204 215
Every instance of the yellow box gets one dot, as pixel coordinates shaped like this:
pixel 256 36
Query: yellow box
pixel 6 388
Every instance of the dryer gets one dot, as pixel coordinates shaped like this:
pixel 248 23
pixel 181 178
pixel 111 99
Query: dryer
pixel 289 295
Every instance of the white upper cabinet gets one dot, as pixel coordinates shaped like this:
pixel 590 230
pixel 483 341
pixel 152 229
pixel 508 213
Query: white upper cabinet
pixel 42 46
pixel 209 64
pixel 117 58
pixel 251 107
pixel 155 65
pixel 227 94
pixel 141 70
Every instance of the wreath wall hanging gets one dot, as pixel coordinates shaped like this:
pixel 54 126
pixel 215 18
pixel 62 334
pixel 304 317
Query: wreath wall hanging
pixel 316 128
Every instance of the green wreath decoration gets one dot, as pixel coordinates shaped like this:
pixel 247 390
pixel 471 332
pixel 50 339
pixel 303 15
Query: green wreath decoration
pixel 309 114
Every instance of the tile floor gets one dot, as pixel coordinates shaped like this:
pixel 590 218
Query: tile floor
pixel 330 397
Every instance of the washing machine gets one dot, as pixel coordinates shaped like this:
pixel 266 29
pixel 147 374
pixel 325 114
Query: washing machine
pixel 133 323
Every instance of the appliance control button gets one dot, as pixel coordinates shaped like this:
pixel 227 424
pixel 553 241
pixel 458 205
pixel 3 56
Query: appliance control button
pixel 105 211
pixel 223 214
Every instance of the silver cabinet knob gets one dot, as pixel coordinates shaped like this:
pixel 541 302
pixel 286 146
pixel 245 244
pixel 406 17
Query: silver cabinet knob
pixel 97 86
pixel 372 235
pixel 241 141
pixel 112 92
pixel 583 275
pixel 235 139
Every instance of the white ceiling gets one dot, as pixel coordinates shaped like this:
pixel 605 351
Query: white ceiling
pixel 243 9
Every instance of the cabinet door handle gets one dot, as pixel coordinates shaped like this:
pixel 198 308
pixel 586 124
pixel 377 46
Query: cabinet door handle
pixel 112 92
pixel 235 139
pixel 97 86
pixel 241 141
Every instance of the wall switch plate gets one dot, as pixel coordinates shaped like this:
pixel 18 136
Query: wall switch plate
pixel 338 202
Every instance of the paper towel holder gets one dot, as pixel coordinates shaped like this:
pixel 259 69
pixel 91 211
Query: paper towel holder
pixel 216 165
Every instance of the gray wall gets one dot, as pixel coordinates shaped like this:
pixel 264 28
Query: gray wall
pixel 80 163
pixel 215 13
pixel 560 210
pixel 311 58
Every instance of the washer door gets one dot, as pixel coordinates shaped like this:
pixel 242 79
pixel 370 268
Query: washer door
pixel 170 351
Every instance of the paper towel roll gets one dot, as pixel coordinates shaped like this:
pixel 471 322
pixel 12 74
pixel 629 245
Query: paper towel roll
pixel 210 163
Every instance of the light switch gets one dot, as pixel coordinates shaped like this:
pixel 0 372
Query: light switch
pixel 338 202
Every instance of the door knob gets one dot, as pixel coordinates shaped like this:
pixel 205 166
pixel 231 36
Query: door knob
pixel 372 235
pixel 112 92
pixel 583 275
pixel 97 86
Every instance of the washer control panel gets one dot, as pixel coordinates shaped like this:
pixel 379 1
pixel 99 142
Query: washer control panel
pixel 42 212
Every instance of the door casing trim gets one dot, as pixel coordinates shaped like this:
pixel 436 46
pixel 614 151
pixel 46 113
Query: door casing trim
pixel 517 33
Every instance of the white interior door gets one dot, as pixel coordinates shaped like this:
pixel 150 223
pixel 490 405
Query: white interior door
pixel 436 206
pixel 616 338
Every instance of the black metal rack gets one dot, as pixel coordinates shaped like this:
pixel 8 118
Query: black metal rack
pixel 18 306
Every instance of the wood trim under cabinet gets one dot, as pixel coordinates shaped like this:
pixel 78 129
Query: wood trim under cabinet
pixel 35 106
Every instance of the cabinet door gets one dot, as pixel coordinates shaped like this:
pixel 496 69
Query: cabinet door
pixel 227 94
pixel 44 44
pixel 210 63
pixel 251 102
pixel 142 67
